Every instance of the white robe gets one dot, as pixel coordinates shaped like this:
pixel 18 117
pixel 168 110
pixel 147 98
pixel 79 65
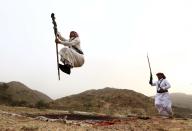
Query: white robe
pixel 163 100
pixel 71 55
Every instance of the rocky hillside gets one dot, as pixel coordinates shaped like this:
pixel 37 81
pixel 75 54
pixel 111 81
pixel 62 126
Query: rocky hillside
pixel 16 93
pixel 108 101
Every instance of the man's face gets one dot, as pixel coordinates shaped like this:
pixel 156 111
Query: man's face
pixel 72 34
pixel 159 77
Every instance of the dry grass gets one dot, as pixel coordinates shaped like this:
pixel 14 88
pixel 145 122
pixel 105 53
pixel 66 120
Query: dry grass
pixel 20 123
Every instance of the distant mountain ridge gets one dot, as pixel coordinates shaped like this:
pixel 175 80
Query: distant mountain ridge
pixel 182 100
pixel 107 101
pixel 18 93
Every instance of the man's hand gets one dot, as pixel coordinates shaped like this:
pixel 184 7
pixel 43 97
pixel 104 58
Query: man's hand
pixel 57 40
pixel 58 34
pixel 151 80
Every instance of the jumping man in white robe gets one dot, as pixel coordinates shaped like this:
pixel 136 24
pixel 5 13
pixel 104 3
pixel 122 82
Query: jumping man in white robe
pixel 162 98
pixel 71 55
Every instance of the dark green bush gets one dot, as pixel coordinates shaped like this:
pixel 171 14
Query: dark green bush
pixel 41 104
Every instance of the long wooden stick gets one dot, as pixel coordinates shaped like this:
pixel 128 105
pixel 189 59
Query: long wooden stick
pixel 55 32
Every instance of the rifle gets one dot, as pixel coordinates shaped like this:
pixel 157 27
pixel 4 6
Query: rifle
pixel 55 32
pixel 151 75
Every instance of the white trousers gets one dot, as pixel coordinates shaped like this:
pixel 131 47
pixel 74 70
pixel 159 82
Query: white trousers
pixel 163 104
pixel 74 58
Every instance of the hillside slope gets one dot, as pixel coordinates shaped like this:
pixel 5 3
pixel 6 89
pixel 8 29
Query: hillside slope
pixel 108 101
pixel 181 100
pixel 17 93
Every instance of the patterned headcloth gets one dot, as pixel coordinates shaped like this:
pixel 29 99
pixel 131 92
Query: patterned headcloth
pixel 161 75
pixel 73 34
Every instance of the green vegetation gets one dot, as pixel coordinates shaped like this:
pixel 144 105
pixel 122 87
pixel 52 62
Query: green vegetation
pixel 41 104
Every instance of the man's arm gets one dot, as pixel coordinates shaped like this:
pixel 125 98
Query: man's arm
pixel 71 43
pixel 61 37
pixel 167 85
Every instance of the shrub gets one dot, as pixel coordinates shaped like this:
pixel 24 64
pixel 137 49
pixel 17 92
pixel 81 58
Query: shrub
pixel 41 104
pixel 19 103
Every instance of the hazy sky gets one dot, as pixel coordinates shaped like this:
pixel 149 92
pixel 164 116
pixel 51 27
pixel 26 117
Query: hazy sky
pixel 115 37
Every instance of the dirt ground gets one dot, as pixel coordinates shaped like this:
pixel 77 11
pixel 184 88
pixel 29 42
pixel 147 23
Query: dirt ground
pixel 16 119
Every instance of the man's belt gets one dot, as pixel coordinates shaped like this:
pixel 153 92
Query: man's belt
pixel 77 50
pixel 162 91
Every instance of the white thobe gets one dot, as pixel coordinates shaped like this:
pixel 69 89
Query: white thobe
pixel 71 55
pixel 163 100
